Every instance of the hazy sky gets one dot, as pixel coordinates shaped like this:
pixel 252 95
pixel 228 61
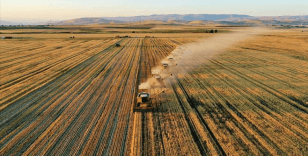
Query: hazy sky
pixel 44 10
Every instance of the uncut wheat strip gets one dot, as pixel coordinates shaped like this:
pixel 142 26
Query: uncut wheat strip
pixel 106 144
pixel 109 130
pixel 83 141
pixel 131 132
pixel 128 81
pixel 171 44
pixel 137 144
pixel 68 62
pixel 153 54
pixel 87 133
pixel 167 44
pixel 126 103
pixel 62 146
pixel 112 96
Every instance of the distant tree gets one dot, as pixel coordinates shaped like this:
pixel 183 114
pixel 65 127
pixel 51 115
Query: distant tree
pixel 206 32
pixel 133 32
pixel 215 31
pixel 212 31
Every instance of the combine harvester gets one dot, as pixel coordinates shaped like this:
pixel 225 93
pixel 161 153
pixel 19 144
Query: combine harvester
pixel 145 103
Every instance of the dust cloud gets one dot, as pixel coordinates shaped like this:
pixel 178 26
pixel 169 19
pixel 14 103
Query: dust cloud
pixel 188 57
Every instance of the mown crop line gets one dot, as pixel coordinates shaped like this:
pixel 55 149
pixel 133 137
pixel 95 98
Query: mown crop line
pixel 55 77
pixel 202 146
pixel 93 64
pixel 267 88
pixel 276 109
pixel 16 80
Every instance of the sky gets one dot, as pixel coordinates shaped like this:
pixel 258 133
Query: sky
pixel 54 10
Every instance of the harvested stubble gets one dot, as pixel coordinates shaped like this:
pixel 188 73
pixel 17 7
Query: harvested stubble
pixel 75 97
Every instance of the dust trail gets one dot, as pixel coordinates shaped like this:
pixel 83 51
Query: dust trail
pixel 188 57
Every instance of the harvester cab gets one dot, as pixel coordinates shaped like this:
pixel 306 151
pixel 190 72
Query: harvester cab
pixel 143 101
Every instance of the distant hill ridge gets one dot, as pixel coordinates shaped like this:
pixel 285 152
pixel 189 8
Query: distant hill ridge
pixel 168 17
pixel 185 18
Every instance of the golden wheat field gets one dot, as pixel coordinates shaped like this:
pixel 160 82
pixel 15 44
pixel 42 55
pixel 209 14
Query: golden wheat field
pixel 62 96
